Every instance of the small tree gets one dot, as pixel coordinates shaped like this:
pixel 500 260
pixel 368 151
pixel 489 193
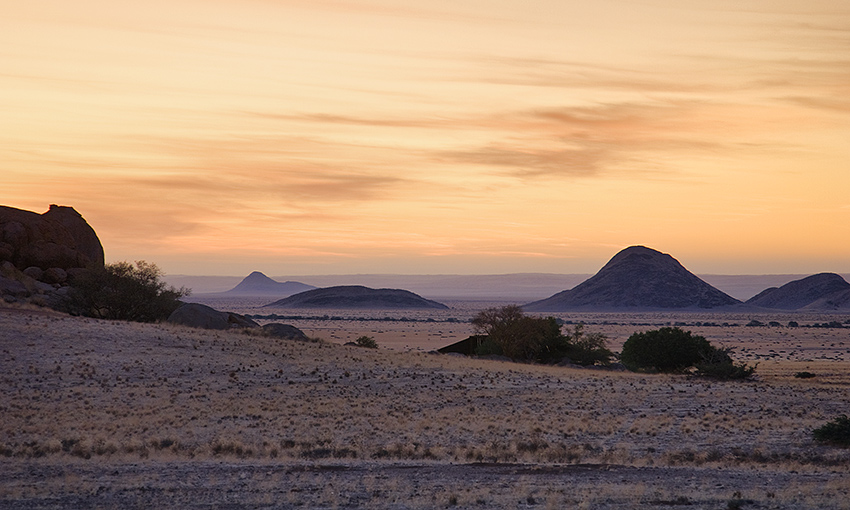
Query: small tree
pixel 513 334
pixel 122 291
pixel 509 332
pixel 588 348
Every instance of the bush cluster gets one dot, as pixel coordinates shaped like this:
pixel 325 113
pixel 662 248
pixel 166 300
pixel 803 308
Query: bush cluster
pixel 507 331
pixel 835 432
pixel 673 350
pixel 366 341
pixel 122 291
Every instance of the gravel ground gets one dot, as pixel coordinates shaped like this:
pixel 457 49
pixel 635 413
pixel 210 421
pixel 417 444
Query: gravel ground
pixel 243 485
pixel 99 414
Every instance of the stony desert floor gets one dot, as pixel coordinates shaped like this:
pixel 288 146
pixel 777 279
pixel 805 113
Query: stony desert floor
pixel 100 414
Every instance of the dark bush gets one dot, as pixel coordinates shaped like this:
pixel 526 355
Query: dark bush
pixel 509 332
pixel 726 371
pixel 836 432
pixel 122 291
pixel 664 350
pixel 804 375
pixel 587 348
pixel 674 350
pixel 366 341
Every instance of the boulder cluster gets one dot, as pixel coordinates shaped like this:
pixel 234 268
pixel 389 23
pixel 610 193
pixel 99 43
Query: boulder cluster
pixel 197 315
pixel 41 254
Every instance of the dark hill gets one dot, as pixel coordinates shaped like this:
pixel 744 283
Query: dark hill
pixel 824 291
pixel 258 284
pixel 357 296
pixel 637 278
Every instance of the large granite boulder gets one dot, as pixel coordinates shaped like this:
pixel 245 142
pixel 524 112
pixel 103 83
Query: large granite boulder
pixel 197 315
pixel 59 238
pixel 289 331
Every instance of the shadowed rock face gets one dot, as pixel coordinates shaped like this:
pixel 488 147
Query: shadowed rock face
pixel 258 284
pixel 197 315
pixel 356 296
pixel 824 291
pixel 637 278
pixel 59 238
pixel 284 331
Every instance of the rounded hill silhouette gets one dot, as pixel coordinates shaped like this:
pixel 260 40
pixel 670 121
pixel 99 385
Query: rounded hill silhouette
pixel 258 284
pixel 637 278
pixel 357 296
pixel 824 291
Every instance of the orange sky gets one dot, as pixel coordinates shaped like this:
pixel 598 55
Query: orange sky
pixel 324 136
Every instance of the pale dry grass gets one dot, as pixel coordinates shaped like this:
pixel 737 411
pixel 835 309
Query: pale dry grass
pixel 78 391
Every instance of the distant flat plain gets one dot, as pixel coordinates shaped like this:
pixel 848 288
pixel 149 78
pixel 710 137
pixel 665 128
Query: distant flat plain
pixel 110 414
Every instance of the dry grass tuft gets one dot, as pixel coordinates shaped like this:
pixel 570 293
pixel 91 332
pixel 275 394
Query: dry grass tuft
pixel 85 392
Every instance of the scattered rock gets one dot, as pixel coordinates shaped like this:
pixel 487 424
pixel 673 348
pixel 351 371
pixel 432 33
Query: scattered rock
pixel 36 273
pixel 13 288
pixel 54 275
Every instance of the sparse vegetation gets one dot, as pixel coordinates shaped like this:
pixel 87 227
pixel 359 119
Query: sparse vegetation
pixel 157 404
pixel 804 375
pixel 122 291
pixel 509 332
pixel 366 341
pixel 674 350
pixel 835 432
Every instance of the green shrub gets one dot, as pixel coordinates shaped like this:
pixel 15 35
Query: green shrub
pixel 509 332
pixel 122 291
pixel 664 350
pixel 836 432
pixel 726 371
pixel 588 348
pixel 513 334
pixel 674 350
pixel 488 347
pixel 366 341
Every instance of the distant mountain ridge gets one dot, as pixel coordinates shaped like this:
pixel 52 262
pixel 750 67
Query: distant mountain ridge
pixel 637 278
pixel 822 292
pixel 357 296
pixel 514 287
pixel 258 284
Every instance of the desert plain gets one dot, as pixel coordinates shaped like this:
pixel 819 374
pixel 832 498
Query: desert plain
pixel 99 414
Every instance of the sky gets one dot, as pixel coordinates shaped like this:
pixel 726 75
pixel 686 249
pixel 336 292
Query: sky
pixel 295 137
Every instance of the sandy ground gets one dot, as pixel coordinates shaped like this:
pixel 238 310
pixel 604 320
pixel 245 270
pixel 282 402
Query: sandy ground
pixel 100 414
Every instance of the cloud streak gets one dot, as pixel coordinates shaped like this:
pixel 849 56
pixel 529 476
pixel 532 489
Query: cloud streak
pixel 353 129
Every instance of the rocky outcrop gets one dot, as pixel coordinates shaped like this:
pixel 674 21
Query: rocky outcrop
pixel 824 291
pixel 258 284
pixel 59 238
pixel 358 297
pixel 41 253
pixel 196 315
pixel 637 278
